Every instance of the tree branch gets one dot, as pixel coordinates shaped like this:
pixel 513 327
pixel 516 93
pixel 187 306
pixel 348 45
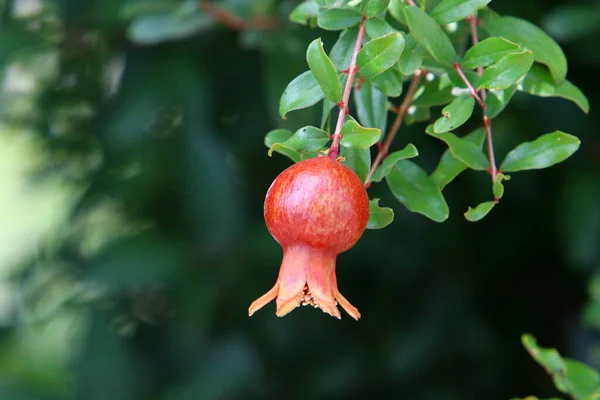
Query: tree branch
pixel 385 147
pixel 343 105
pixel 233 21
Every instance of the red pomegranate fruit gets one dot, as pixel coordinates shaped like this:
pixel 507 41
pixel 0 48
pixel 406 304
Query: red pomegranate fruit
pixel 315 209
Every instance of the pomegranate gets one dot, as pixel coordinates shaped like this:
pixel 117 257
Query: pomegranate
pixel 315 209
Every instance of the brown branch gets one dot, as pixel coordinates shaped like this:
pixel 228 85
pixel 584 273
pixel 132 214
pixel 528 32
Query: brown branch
pixel 487 122
pixel 343 105
pixel 233 21
pixel 385 147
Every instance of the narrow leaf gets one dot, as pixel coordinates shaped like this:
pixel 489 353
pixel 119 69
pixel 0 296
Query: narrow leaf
pixel 448 11
pixel 373 7
pixel 355 136
pixel 302 92
pixel 388 163
pixel 545 49
pixel 341 52
pixel 488 52
pixel 379 217
pixel 430 35
pixel 477 213
pixel 543 152
pixel 465 151
pixel 539 82
pixel 416 191
pixel 379 54
pixel 455 114
pixel 336 19
pixel 357 159
pixel 449 166
pixel 507 71
pixel 410 59
pixel 396 10
pixel 324 71
pixel 371 106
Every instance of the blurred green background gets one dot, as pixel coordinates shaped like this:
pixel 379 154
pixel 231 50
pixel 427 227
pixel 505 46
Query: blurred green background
pixel 132 176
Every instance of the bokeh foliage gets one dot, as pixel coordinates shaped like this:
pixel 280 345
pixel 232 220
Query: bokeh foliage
pixel 132 175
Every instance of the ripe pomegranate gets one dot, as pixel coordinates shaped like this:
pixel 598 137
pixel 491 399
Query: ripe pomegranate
pixel 315 209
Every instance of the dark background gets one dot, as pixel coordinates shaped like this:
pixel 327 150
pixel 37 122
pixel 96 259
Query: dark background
pixel 137 286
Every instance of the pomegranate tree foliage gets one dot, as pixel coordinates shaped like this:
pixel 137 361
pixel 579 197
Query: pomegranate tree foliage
pixel 463 61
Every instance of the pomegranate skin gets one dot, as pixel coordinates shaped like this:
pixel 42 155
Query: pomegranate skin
pixel 315 210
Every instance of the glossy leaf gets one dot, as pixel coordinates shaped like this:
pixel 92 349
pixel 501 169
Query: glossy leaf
pixel 389 82
pixel 341 52
pixel 304 12
pixel 357 159
pixel 371 8
pixel 545 49
pixel 430 35
pixel 376 28
pixel 326 3
pixel 463 150
pixel 371 106
pixel 396 10
pixel 410 151
pixel 488 52
pixel 507 71
pixel 410 59
pixel 448 11
pixel 307 139
pixel 539 82
pixel 479 212
pixel 336 19
pixel 302 92
pixel 417 114
pixel 274 141
pixel 379 54
pixel 449 166
pixel 543 152
pixel 379 217
pixel 497 100
pixel 416 191
pixel 455 114
pixel 498 187
pixel 355 136
pixel 324 71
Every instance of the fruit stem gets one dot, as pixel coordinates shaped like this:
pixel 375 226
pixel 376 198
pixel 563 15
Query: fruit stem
pixel 334 151
pixel 385 148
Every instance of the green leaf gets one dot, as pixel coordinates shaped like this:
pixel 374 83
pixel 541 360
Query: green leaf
pixel 507 71
pixel 379 217
pixel 455 114
pixel 449 166
pixel 543 152
pixel 396 10
pixel 274 141
pixel 497 100
pixel 430 35
pixel 336 19
pixel 286 151
pixel 376 28
pixel 477 213
pixel 341 52
pixel 326 3
pixel 539 82
pixel 307 139
pixel 389 82
pixel 448 11
pixel 545 50
pixel 355 136
pixel 570 377
pixel 152 29
pixel 357 159
pixel 371 8
pixel 304 12
pixel 437 92
pixel 379 54
pixel 410 59
pixel 465 151
pixel 488 52
pixel 371 106
pixel 498 187
pixel 324 71
pixel 302 92
pixel 417 114
pixel 388 163
pixel 416 191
